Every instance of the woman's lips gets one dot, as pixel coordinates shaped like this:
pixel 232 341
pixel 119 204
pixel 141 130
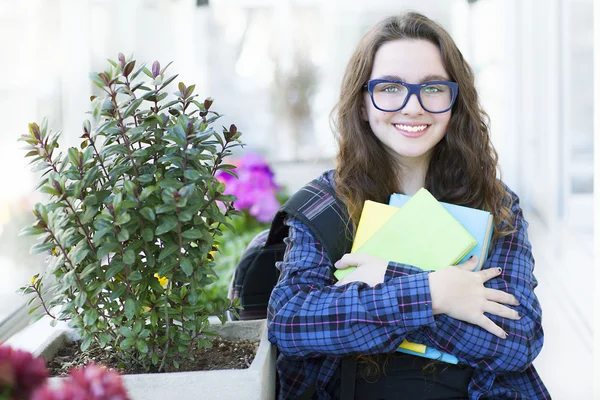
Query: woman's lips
pixel 412 131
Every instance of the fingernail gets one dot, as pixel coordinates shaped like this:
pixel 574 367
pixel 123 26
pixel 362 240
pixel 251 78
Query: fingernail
pixel 505 335
pixel 470 258
pixel 520 315
pixel 500 270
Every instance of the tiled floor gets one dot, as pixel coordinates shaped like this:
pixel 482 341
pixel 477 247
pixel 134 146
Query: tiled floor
pixel 564 270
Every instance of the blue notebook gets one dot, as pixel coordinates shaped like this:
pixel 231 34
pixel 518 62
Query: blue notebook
pixel 479 223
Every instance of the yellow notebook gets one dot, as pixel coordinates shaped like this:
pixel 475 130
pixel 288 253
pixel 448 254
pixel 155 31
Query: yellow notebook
pixel 421 233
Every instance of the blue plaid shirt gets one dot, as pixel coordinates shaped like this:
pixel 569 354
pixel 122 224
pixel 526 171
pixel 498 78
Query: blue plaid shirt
pixel 314 323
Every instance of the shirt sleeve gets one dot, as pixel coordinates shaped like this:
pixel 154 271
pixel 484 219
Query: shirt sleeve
pixel 309 316
pixel 479 348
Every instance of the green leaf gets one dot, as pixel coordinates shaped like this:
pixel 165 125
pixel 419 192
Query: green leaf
pixel 148 234
pixel 148 213
pixel 123 218
pixel 30 230
pixel 135 276
pixel 118 292
pixel 79 252
pixel 132 107
pixel 126 331
pixel 106 249
pixel 49 190
pixel 90 200
pixel 129 257
pixel 147 191
pixel 166 225
pixel 123 235
pixel 116 148
pixel 191 174
pixel 129 308
pixel 186 266
pixel 80 299
pixel 165 208
pixel 42 247
pixel 153 318
pixel 167 251
pixel 102 232
pixel 142 346
pixel 185 216
pixel 116 268
pixel 89 269
pixel 90 317
pixel 193 234
pixel 146 178
pixel 166 269
pixel 104 339
pixel 127 343
pixel 73 154
pixel 85 344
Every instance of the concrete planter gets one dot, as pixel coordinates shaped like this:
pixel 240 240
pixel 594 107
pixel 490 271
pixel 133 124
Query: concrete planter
pixel 256 382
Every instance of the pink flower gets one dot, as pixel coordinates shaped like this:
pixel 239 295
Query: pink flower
pixel 93 382
pixel 255 187
pixel 20 372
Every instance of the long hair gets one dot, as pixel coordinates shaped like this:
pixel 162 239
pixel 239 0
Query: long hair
pixel 462 168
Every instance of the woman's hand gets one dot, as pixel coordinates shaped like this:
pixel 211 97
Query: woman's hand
pixel 459 292
pixel 370 269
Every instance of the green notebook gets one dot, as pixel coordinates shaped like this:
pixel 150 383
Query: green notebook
pixel 420 233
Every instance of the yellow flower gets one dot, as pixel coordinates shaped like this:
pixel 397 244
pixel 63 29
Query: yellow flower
pixel 163 280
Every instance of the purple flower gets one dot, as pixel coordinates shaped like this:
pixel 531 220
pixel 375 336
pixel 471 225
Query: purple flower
pixel 255 187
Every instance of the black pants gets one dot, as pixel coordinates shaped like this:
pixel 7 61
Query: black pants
pixel 406 377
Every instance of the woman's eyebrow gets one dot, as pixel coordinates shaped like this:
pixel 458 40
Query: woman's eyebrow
pixel 427 78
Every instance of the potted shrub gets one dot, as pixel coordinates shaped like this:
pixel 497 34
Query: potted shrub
pixel 132 218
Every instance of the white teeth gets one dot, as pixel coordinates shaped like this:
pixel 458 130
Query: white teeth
pixel 409 128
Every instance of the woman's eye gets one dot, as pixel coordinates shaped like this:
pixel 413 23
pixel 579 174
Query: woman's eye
pixel 391 89
pixel 432 89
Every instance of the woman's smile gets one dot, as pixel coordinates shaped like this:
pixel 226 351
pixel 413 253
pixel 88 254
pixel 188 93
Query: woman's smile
pixel 412 131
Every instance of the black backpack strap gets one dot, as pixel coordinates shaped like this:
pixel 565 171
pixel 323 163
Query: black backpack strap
pixel 317 206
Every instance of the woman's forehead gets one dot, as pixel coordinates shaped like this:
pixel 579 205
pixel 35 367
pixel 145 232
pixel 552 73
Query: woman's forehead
pixel 411 60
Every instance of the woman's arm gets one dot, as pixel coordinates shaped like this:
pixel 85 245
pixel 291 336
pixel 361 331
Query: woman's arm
pixel 479 348
pixel 309 316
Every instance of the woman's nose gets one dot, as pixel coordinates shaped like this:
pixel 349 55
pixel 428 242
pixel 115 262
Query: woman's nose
pixel 412 106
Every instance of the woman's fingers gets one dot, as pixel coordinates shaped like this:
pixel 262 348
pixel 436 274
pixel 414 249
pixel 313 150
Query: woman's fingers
pixel 347 260
pixel 491 327
pixel 468 265
pixel 489 273
pixel 501 311
pixel 501 297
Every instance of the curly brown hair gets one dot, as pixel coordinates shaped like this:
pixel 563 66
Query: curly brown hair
pixel 463 165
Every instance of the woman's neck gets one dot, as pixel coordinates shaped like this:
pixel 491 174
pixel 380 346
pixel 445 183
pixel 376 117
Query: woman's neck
pixel 413 176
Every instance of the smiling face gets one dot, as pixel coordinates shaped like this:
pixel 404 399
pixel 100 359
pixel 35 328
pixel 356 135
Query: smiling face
pixel 411 133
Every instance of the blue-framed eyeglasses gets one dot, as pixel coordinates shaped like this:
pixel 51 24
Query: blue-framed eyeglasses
pixel 435 97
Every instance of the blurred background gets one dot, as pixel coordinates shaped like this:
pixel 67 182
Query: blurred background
pixel 274 68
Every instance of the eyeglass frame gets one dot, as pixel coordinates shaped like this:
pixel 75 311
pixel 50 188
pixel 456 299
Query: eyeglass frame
pixel 413 88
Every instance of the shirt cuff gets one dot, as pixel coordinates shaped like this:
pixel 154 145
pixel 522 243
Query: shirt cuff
pixel 395 270
pixel 414 300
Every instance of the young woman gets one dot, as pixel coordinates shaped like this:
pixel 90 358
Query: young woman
pixel 409 117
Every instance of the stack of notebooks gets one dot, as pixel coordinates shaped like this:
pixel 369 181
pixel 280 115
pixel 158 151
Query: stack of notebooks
pixel 425 233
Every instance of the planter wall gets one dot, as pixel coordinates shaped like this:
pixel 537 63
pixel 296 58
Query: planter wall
pixel 256 382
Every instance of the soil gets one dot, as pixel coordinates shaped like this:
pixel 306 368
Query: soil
pixel 223 355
